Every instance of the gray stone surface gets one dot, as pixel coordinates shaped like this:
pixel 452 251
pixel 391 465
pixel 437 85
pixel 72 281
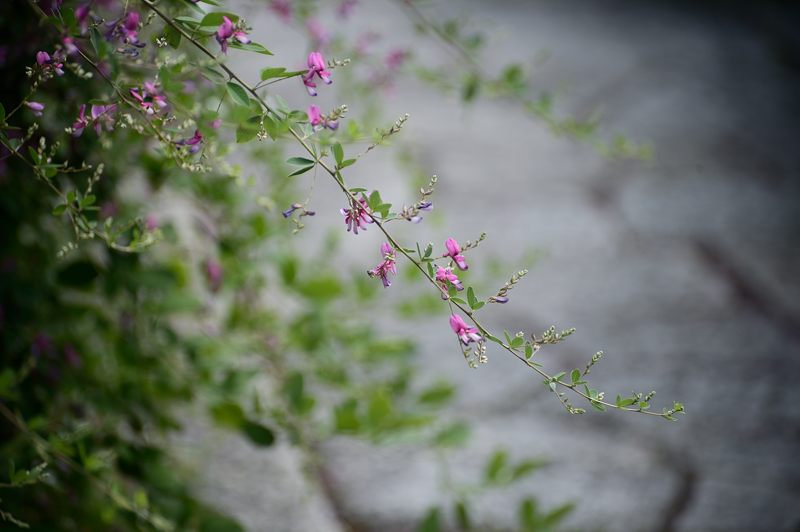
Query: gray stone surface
pixel 683 270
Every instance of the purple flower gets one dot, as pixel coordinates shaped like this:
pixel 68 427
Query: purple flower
pixel 149 97
pixel 50 64
pixel 446 276
pixel 454 252
pixel 82 17
pixel 320 122
pixel 316 67
pixel 194 143
pixel 36 107
pixel 214 274
pixel 498 299
pixel 130 28
pixel 69 45
pixel 288 212
pixel 465 333
pixel 227 30
pixel 100 116
pixel 386 266
pixel 395 59
pixel 282 8
pixel 151 222
pixel 357 216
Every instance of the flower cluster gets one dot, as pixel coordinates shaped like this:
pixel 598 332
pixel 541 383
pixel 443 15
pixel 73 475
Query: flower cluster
pixel 446 278
pixel 194 143
pixel 150 98
pixel 320 121
pixel 357 216
pixel 316 67
pixel 464 332
pixel 50 65
pixel 386 266
pixel 228 30
pixel 99 115
pixel 454 252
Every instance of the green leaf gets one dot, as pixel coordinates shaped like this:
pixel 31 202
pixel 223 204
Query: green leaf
pixel 244 133
pixel 454 435
pixel 462 516
pixel 272 72
pixel 228 414
pixel 238 94
pixel 215 19
pixel 525 468
pixel 528 351
pixel 471 299
pixel 7 380
pixel 458 300
pixel 431 522
pixel 338 153
pixel 301 171
pixel 575 376
pixel 496 466
pixel 173 36
pixel 60 209
pixel 346 163
pixel 250 47
pixel 346 415
pixel 300 161
pixel 438 394
pixel 88 201
pixel 517 342
pixel 258 433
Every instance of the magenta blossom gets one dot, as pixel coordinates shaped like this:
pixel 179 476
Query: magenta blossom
pixel 319 121
pixel 227 30
pixel 465 333
pixel 100 116
pixel 82 16
pixel 214 274
pixel 150 98
pixel 357 216
pixel 316 67
pixel 69 45
pixel 386 266
pixel 446 276
pixel 151 222
pixel 454 252
pixel 36 107
pixel 130 28
pixel 194 143
pixel 50 64
pixel 282 8
pixel 395 59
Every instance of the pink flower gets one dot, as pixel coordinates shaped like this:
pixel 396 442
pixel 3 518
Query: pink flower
pixel 319 121
pixel 216 123
pixel 69 45
pixel 282 8
pixel 395 59
pixel 227 30
pixel 214 274
pixel 130 28
pixel 446 276
pixel 149 97
pixel 454 252
pixel 151 222
pixel 357 216
pixel 82 17
pixel 50 64
pixel 316 67
pixel 36 107
pixel 465 333
pixel 194 143
pixel 387 266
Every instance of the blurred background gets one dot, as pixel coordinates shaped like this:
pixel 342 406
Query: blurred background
pixel 640 159
pixel 683 269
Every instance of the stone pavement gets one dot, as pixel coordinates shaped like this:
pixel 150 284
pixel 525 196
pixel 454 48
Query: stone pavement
pixel 683 270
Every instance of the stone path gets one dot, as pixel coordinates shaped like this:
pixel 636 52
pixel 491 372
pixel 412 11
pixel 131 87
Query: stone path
pixel 684 271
